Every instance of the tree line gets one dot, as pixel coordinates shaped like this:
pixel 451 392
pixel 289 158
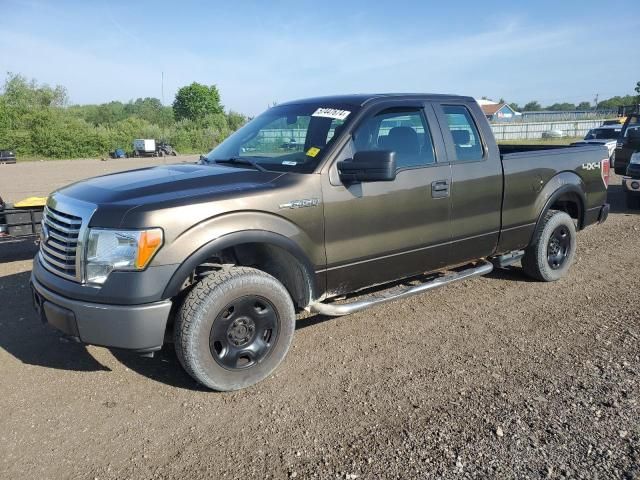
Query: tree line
pixel 608 104
pixel 36 121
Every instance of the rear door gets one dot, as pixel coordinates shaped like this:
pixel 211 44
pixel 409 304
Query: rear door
pixel 476 180
pixel 377 232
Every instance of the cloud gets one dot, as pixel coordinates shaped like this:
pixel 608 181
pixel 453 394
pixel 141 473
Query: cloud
pixel 253 67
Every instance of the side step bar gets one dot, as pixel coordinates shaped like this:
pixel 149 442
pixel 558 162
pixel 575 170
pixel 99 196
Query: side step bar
pixel 339 309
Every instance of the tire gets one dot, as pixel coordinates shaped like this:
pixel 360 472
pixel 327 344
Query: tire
pixel 234 328
pixel 550 254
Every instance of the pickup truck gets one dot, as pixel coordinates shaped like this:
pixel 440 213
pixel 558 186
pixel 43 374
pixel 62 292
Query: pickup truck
pixel 391 195
pixel 606 135
pixel 628 143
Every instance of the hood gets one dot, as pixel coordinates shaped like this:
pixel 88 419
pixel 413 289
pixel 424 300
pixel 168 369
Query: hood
pixel 168 182
pixel 165 186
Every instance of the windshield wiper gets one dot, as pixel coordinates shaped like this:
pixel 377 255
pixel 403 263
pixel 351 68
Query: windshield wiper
pixel 242 161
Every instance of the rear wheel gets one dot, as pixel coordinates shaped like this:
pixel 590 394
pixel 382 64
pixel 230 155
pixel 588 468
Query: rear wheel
pixel 553 248
pixel 234 328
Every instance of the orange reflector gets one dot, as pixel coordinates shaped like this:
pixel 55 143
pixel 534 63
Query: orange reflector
pixel 149 243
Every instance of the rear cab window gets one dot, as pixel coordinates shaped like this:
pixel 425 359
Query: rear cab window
pixel 463 132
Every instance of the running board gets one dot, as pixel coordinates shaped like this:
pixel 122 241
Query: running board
pixel 339 309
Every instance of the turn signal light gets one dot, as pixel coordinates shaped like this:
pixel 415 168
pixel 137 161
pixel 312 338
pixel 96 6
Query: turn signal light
pixel 148 244
pixel 604 171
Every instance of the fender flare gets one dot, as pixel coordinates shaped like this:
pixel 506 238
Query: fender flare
pixel 563 189
pixel 235 239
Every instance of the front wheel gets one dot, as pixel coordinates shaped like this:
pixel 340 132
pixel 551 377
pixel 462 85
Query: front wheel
pixel 553 248
pixel 234 328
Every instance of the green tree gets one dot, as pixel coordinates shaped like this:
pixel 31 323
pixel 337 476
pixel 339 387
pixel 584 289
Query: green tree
pixel 615 102
pixel 561 107
pixel 637 89
pixel 235 120
pixel 196 101
pixel 24 94
pixel 532 106
pixel 583 106
pixel 515 106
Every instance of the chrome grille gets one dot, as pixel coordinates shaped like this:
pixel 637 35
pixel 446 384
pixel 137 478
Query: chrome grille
pixel 60 242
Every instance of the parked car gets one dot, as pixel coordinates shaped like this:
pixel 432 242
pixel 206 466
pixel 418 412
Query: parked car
pixel 7 156
pixel 605 135
pixel 220 255
pixel 628 143
pixel 631 182
pixel 553 134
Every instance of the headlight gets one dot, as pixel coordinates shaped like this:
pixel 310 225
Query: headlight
pixel 109 250
pixel 635 158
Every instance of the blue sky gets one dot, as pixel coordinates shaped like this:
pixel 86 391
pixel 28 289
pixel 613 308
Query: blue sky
pixel 261 52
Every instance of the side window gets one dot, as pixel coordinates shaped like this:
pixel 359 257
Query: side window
pixel 464 133
pixel 402 130
pixel 334 129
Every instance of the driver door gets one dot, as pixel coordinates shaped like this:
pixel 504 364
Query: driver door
pixel 376 232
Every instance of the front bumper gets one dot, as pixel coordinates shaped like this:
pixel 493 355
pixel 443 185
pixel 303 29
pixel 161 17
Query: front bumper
pixel 631 185
pixel 132 327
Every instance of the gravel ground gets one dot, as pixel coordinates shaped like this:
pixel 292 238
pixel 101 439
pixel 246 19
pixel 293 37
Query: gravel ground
pixel 498 377
pixel 30 179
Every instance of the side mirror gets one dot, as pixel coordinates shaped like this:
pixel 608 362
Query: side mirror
pixel 369 166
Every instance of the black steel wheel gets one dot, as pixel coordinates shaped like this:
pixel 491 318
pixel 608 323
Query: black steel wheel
pixel 552 248
pixel 244 332
pixel 558 247
pixel 234 328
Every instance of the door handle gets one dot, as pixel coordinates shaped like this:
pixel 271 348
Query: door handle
pixel 440 189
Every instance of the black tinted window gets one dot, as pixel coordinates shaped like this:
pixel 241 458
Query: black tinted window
pixel 401 130
pixel 463 132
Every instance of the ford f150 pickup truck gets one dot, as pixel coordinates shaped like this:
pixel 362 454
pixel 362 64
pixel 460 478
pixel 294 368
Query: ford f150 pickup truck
pixel 379 197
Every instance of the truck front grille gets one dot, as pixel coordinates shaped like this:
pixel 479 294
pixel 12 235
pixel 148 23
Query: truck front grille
pixel 59 243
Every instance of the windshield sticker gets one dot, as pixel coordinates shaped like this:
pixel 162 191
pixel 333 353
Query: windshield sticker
pixel 331 113
pixel 287 162
pixel 313 151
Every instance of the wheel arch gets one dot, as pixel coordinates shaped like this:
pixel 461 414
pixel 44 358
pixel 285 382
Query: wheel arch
pixel 271 252
pixel 564 192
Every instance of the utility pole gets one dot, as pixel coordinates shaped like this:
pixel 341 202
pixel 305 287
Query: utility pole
pixel 162 88
pixel 596 102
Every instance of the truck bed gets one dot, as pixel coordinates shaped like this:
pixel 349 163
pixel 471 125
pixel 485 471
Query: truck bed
pixel 506 149
pixel 530 170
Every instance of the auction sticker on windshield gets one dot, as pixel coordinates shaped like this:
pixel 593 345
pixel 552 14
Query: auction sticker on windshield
pixel 331 113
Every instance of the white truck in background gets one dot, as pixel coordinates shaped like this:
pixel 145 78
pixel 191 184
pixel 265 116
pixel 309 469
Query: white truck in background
pixel 144 147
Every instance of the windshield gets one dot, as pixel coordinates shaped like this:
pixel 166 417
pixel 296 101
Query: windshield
pixel 287 138
pixel 603 133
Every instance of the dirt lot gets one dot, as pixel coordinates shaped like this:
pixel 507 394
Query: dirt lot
pixel 499 377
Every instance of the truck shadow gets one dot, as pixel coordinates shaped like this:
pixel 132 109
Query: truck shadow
pixel 163 367
pixel 23 335
pixel 617 201
pixel 16 250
